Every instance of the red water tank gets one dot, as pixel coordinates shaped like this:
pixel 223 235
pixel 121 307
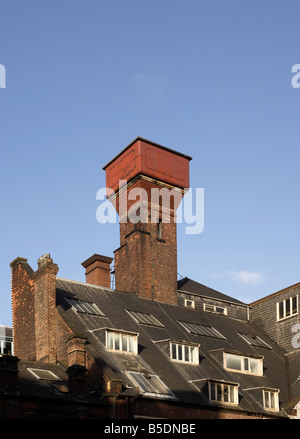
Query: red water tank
pixel 150 159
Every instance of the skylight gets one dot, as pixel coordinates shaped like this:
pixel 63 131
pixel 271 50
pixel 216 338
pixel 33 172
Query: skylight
pixel 43 374
pixel 208 331
pixel 150 384
pixel 145 319
pixel 254 340
pixel 85 307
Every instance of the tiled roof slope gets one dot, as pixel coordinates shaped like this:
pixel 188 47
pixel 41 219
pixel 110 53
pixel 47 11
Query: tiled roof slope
pixel 183 380
pixel 196 288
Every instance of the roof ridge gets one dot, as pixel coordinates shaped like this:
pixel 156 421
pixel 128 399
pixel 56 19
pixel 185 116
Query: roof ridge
pixel 83 283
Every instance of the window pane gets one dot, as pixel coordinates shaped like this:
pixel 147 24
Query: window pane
pixel 117 341
pixel 287 307
pixel 132 344
pixel 231 394
pixel 272 400
pixel 179 352
pixel 186 353
pixel 219 392
pixel 193 355
pixel 233 361
pixel 254 365
pixel 226 393
pixel 174 357
pixel 124 343
pixel 294 305
pixel 267 404
pixel 213 391
pixel 110 340
pixel 246 364
pixel 280 310
pixel 7 348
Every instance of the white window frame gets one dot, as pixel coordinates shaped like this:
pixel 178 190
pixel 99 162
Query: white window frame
pixel 118 341
pixel 232 391
pixel 3 343
pixel 284 306
pixel 189 303
pixel 267 397
pixel 145 388
pixel 52 376
pixel 214 309
pixel 193 352
pixel 245 363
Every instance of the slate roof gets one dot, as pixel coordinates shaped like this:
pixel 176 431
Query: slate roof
pixel 196 288
pixel 185 381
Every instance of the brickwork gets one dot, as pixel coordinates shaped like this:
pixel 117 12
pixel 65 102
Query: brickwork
pixel 264 315
pixel 45 311
pixel 146 262
pixel 97 270
pixel 161 410
pixel 22 291
pixel 146 265
pixel 76 351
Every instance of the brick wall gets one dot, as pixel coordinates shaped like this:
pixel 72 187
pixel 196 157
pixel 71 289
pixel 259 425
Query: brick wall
pixel 146 262
pixel 161 410
pixel 45 310
pixel 22 292
pixel 146 265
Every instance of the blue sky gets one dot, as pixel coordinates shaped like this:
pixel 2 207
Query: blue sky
pixel 211 79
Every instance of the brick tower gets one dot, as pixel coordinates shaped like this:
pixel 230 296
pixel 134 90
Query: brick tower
pixel 146 183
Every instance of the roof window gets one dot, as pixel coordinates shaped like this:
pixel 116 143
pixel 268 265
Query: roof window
pixel 43 374
pixel 145 319
pixel 150 384
pixel 254 340
pixel 208 331
pixel 85 307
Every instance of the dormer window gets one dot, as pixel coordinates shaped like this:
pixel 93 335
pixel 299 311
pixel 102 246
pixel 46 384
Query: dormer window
pixel 223 393
pixel 121 341
pixel 242 363
pixel 184 352
pixel 270 399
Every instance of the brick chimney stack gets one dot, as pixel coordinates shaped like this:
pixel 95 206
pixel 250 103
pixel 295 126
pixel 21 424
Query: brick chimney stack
pixel 97 270
pixel 34 309
pixel 139 182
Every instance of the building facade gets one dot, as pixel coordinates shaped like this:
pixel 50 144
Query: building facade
pixel 152 347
